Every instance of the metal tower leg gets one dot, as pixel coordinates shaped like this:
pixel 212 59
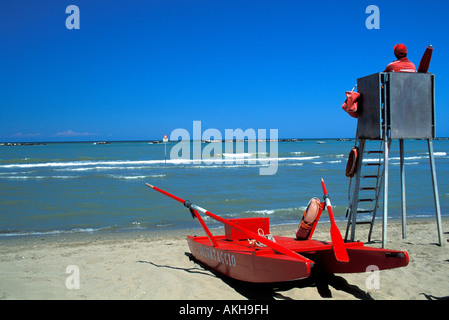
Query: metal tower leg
pixel 435 192
pixel 385 202
pixel 403 206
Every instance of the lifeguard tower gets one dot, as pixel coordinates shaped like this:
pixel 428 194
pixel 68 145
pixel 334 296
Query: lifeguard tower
pixel 392 105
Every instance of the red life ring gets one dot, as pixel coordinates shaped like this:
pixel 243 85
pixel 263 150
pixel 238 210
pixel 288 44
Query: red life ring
pixel 308 219
pixel 351 165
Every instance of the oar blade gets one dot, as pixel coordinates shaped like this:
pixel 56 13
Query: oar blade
pixel 337 240
pixel 338 244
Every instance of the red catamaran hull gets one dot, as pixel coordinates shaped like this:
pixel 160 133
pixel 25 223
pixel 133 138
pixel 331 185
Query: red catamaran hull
pixel 245 254
pixel 238 260
pixel 247 264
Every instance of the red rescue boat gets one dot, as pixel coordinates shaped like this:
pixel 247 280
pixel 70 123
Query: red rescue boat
pixel 248 252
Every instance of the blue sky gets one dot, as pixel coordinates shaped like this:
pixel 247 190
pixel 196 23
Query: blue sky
pixel 136 70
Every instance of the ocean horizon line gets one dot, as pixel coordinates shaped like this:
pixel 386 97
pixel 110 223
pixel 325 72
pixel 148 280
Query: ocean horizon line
pixel 99 141
pixel 7 143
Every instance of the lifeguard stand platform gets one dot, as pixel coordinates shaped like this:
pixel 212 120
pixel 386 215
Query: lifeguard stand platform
pixel 391 106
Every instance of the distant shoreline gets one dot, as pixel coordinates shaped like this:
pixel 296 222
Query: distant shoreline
pixel 101 142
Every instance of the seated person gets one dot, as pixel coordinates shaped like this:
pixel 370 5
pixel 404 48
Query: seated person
pixel 403 64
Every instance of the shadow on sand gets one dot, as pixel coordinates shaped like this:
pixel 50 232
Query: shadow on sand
pixel 258 291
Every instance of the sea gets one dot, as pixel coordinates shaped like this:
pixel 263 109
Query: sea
pixel 90 187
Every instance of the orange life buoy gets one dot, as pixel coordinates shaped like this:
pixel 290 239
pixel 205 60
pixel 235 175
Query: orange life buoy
pixel 351 166
pixel 308 219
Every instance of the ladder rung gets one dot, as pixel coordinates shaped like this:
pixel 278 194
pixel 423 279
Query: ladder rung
pixel 372 164
pixel 374 151
pixel 364 211
pixel 366 200
pixel 360 222
pixel 363 222
pixel 368 188
pixel 370 177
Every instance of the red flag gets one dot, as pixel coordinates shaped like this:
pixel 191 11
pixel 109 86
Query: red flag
pixel 425 60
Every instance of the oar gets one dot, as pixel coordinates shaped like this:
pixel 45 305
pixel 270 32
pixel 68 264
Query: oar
pixel 192 211
pixel 425 60
pixel 337 241
pixel 269 243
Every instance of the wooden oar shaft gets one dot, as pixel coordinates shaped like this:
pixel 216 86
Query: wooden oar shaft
pixel 206 229
pixel 165 193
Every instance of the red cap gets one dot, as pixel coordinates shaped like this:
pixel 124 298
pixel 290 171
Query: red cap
pixel 400 50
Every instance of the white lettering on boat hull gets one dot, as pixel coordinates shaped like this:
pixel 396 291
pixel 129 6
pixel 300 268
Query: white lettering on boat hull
pixel 218 255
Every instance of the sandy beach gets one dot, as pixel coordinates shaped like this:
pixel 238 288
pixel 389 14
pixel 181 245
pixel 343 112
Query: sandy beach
pixel 157 266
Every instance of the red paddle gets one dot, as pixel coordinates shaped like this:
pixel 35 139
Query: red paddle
pixel 337 241
pixel 425 60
